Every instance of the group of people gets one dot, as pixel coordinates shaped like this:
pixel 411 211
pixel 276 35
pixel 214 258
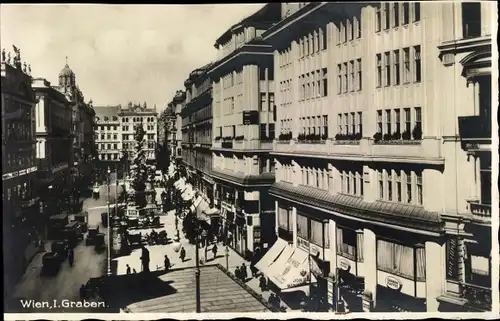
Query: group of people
pixel 241 272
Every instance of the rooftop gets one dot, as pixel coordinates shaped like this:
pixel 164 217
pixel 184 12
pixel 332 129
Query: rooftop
pixel 110 111
pixel 174 292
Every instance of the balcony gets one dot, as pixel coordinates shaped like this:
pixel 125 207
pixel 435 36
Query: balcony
pixel 481 212
pixel 470 296
pixel 475 131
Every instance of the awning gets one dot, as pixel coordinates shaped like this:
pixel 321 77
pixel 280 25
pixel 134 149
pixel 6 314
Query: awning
pixel 295 272
pixel 271 255
pixel 188 193
pixel 178 182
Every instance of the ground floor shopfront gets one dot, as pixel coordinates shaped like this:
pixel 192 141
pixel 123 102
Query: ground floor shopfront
pixel 247 218
pixel 20 225
pixel 368 266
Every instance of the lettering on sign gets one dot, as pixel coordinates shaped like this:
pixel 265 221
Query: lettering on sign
pixel 344 265
pixel 393 283
pixel 472 146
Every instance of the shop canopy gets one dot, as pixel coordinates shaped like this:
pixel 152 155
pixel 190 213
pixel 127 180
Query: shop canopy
pixel 178 183
pixel 291 270
pixel 271 255
pixel 187 194
pixel 212 211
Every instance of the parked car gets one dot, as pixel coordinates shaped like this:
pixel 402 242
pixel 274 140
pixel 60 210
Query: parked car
pixel 92 232
pixel 51 262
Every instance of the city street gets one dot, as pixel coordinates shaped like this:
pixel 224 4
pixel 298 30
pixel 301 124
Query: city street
pixel 65 285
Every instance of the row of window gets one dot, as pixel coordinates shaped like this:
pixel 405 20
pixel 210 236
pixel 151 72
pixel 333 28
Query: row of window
pixel 19 130
pixel 403 186
pixel 267 131
pixel 20 159
pixel 286 126
pixel 314 84
pixel 350 123
pixel 400 259
pixel 389 71
pixel 392 12
pixel 286 92
pixel 312 43
pixel 389 123
pixel 349 76
pixel 351 182
pixel 285 58
pixel 349 30
pixel 314 125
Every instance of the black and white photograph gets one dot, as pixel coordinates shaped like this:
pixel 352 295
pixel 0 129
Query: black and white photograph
pixel 245 159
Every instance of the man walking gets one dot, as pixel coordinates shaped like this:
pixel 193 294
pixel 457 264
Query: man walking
pixel 214 250
pixel 182 254
pixel 167 263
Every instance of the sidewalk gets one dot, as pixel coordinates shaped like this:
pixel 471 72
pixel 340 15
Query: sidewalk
pixel 158 252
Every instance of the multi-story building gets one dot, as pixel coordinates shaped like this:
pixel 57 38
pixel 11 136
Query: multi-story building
pixel 54 146
pixel 197 131
pixel 20 200
pixel 243 130
pixel 177 105
pixel 371 179
pixel 108 135
pixel 68 86
pixel 88 146
pixel 115 128
pixel 133 116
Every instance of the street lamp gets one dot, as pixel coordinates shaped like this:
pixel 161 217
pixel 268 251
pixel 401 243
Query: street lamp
pixel 108 229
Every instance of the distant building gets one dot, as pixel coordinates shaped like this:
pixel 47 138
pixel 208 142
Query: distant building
pixel 115 128
pixel 20 210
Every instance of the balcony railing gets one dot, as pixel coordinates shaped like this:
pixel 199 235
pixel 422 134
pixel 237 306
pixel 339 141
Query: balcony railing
pixel 474 128
pixel 478 297
pixel 480 210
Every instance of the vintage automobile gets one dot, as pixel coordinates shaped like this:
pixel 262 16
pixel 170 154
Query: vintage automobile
pixel 91 234
pixel 73 233
pixel 56 224
pixel 60 247
pixel 134 239
pixel 104 219
pixel 95 191
pixel 99 241
pixel 83 219
pixel 51 262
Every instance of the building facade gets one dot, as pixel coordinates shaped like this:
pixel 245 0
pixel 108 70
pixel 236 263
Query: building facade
pixel 19 166
pixel 369 160
pixel 197 131
pixel 177 104
pixel 243 130
pixel 114 134
pixel 54 147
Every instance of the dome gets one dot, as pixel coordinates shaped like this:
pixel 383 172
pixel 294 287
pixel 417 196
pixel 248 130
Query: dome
pixel 66 72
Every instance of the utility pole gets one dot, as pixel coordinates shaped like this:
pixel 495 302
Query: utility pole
pixel 108 229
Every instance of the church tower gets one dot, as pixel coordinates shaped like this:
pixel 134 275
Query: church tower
pixel 67 79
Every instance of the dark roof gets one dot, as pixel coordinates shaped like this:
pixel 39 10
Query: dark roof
pixel 267 15
pixel 171 292
pixel 385 212
pixel 110 111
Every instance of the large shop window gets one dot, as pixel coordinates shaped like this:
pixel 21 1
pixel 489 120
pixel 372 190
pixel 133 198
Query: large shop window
pixel 400 260
pixel 312 231
pixel 347 241
pixel 285 229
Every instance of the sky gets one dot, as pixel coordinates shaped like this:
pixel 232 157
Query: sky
pixel 119 53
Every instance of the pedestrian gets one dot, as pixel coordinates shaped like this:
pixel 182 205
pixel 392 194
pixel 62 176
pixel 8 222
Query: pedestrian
pixel 128 269
pixel 134 271
pixel 145 259
pixel 182 254
pixel 167 263
pixel 214 250
pixel 71 257
pixel 244 272
pixel 263 283
pixel 237 273
pixel 82 292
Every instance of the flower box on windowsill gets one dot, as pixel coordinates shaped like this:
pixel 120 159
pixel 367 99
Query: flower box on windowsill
pixel 311 142
pixel 283 141
pixel 346 142
pixel 398 142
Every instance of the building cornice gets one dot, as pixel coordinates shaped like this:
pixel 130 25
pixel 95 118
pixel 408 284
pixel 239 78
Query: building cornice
pixel 265 179
pixel 352 207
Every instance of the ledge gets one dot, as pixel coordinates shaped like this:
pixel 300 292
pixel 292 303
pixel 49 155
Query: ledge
pixel 408 216
pixel 242 179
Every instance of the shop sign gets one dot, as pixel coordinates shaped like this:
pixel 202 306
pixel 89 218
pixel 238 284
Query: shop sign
pixel 256 234
pixel 393 283
pixel 23 172
pixel 303 244
pixel 344 265
pixel 315 250
pixel 330 290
